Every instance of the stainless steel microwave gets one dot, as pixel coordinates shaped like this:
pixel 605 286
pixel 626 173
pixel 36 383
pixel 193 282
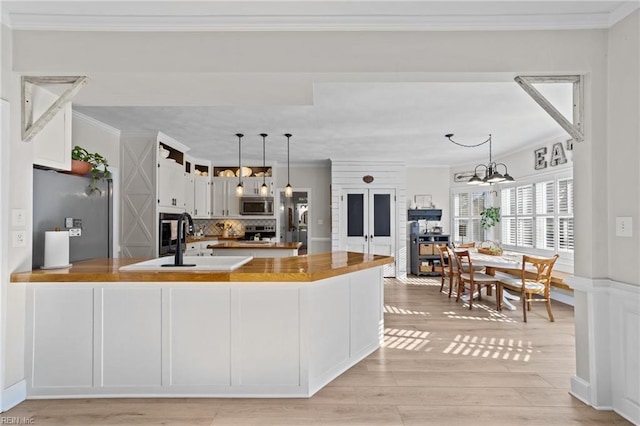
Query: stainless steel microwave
pixel 259 206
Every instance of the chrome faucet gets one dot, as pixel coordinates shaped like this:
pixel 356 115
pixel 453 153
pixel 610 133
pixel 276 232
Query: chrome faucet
pixel 179 260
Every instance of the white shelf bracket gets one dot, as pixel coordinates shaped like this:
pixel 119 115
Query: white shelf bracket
pixel 574 129
pixel 31 128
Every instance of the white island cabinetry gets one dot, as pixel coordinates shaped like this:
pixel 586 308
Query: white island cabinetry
pixel 249 339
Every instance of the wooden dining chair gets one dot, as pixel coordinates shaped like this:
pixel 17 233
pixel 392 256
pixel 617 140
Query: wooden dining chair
pixel 476 279
pixel 445 264
pixel 534 279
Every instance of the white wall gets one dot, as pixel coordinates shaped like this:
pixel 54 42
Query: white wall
pixel 434 181
pixel 95 136
pixel 623 148
pixel 18 165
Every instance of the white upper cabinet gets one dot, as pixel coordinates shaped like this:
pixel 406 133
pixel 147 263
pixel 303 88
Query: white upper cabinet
pixel 172 178
pixel 202 197
pixel 224 201
pixel 171 186
pixel 252 186
pixel 52 145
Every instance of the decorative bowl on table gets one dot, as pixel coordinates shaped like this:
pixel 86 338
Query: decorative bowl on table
pixel 492 248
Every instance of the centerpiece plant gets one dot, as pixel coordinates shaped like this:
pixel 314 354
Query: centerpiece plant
pixel 490 217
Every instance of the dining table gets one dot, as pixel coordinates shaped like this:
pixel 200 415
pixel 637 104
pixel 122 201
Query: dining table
pixel 507 262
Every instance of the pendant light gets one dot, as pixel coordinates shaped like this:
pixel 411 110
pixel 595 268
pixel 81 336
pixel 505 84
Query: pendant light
pixel 491 174
pixel 288 190
pixel 240 187
pixel 264 189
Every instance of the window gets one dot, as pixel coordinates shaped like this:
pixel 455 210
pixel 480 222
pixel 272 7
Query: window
pixel 466 216
pixel 538 215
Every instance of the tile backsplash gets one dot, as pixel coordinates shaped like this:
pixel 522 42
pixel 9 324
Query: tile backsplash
pixel 235 226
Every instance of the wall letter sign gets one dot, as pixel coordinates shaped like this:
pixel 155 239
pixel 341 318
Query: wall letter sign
pixel 540 162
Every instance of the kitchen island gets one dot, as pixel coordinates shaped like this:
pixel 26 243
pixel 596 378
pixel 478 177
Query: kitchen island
pixel 274 327
pixel 254 248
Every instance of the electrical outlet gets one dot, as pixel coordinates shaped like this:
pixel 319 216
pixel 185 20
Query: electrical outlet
pixel 624 227
pixel 75 232
pixel 77 223
pixel 19 239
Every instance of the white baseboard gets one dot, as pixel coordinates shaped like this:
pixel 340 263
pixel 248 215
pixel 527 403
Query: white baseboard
pixel 581 389
pixel 14 395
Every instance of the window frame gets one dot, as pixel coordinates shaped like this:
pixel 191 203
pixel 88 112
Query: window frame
pixel 566 256
pixel 472 218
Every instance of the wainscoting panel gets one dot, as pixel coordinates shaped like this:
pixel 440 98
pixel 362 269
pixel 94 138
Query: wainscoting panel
pixel 607 346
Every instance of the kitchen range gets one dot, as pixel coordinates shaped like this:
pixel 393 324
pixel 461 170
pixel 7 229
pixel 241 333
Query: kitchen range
pixel 259 232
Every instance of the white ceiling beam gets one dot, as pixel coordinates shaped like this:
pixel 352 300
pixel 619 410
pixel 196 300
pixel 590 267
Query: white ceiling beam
pixel 574 129
pixel 30 128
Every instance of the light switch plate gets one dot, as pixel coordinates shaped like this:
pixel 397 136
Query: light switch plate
pixel 624 227
pixel 18 218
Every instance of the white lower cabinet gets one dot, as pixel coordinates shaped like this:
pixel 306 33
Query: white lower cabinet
pixel 131 337
pixel 244 339
pixel 62 351
pixel 200 334
pixel 198 248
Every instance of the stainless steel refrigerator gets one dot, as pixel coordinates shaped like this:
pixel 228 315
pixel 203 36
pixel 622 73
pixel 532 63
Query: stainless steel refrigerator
pixel 58 196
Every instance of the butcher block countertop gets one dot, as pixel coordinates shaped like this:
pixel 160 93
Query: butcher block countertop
pixel 254 245
pixel 305 268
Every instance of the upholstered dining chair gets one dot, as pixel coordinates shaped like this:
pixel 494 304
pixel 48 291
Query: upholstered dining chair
pixel 475 279
pixel 445 263
pixel 534 279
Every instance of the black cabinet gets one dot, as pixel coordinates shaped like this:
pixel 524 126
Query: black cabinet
pixel 425 259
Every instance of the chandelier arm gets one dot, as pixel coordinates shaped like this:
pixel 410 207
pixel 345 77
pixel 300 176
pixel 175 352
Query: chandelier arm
pixel 506 170
pixel 475 171
pixel 467 146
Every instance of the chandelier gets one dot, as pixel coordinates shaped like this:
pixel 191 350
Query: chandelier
pixel 491 173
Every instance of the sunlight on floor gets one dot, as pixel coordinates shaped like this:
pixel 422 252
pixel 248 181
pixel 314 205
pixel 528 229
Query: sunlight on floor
pixel 388 309
pixel 494 315
pixel 496 348
pixel 419 281
pixel 408 340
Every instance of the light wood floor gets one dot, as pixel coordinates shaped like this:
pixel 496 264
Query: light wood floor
pixel 441 364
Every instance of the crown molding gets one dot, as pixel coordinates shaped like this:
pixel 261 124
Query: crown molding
pixel 353 22
pixel 623 11
pixel 93 121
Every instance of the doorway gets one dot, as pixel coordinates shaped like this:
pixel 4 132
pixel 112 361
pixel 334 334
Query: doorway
pixel 294 219
pixel 370 223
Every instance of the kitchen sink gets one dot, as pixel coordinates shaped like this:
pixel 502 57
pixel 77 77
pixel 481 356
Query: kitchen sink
pixel 202 263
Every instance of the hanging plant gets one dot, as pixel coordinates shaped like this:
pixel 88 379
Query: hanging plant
pixel 99 165
pixel 490 217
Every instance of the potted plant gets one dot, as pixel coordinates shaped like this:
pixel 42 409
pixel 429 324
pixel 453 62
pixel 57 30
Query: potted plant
pixel 94 163
pixel 490 217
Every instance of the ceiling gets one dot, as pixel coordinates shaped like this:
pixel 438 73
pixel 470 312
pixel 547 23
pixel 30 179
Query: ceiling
pixel 358 120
